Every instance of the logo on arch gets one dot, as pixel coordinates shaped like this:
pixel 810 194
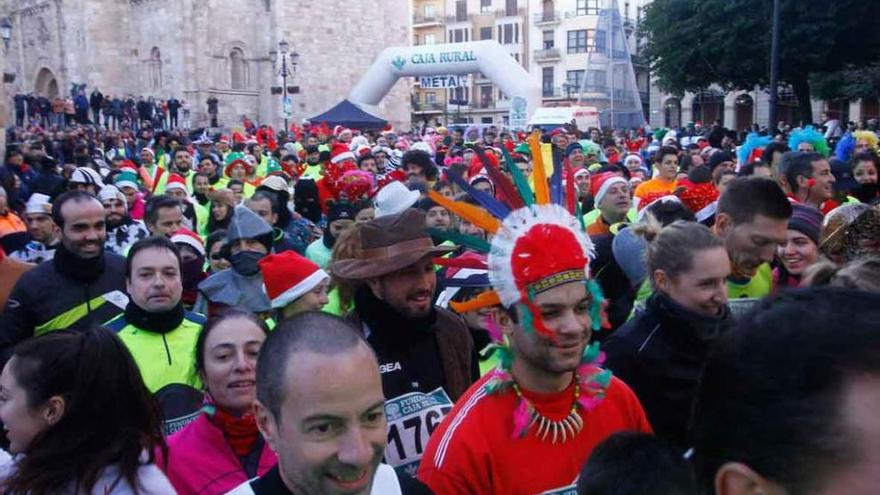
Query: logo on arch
pixel 398 62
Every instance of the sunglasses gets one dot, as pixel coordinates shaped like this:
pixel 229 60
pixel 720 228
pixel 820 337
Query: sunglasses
pixel 216 256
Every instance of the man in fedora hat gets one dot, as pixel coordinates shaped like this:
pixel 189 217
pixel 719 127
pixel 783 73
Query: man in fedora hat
pixel 425 352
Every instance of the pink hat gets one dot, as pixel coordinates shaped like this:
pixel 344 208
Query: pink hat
pixel 287 276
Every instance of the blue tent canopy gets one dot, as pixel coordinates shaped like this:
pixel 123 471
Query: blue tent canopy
pixel 347 114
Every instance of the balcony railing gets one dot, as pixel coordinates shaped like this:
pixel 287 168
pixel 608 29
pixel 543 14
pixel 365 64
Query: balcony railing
pixel 427 19
pixel 547 18
pixel 505 13
pixel 547 54
pixel 451 19
pixel 427 107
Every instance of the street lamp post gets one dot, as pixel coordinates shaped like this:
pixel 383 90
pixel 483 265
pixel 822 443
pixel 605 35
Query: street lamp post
pixel 774 71
pixel 285 72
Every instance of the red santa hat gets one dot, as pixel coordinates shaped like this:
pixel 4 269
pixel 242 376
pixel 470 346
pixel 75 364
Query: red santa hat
pixel 175 181
pixel 190 238
pixel 601 183
pixel 287 276
pixel 340 153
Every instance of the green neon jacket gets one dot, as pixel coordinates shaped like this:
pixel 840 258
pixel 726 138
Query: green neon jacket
pixel 163 358
pixel 167 364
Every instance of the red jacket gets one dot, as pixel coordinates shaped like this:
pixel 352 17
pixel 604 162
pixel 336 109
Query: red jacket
pixel 473 451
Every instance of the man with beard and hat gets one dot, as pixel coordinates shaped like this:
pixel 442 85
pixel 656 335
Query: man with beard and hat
pixel 81 287
pixel 340 217
pixel 248 240
pixel 43 231
pixel 425 352
pixel 122 230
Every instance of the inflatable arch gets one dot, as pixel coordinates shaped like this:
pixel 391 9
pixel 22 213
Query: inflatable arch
pixel 488 57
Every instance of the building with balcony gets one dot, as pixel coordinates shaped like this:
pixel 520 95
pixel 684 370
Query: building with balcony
pixel 462 21
pixel 429 18
pixel 563 33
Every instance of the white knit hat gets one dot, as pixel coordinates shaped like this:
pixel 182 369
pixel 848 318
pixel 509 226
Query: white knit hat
pixel 394 198
pixel 38 203
pixel 111 192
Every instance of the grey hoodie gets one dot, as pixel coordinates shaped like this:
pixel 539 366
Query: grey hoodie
pixel 245 224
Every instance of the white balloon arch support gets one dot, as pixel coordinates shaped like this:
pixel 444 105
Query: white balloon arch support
pixel 487 57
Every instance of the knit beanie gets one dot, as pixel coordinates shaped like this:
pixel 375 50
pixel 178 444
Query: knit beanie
pixel 341 210
pixel 806 220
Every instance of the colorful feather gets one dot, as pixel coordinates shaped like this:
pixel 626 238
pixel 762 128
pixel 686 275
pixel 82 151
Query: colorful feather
pixel 522 417
pixel 539 174
pixel 492 205
pixel 596 306
pixel 474 214
pixel 556 178
pixel 506 190
pixel 495 332
pixel 519 180
pixel 468 241
pixel 484 300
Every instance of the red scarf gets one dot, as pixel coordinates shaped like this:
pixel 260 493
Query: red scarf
pixel 240 432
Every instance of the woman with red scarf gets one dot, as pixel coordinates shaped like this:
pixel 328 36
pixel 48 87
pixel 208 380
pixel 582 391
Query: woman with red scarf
pixel 222 448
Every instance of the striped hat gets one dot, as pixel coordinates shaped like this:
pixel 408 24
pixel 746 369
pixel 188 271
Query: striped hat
pixel 85 175
pixel 807 220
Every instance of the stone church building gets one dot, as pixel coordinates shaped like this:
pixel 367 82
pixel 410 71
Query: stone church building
pixel 196 49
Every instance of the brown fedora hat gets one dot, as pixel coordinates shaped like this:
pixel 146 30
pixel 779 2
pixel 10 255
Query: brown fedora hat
pixel 389 244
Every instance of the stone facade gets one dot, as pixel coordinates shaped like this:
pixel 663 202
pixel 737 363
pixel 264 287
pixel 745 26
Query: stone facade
pixel 194 49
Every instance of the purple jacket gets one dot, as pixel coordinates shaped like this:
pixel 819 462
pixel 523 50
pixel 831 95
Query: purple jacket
pixel 201 462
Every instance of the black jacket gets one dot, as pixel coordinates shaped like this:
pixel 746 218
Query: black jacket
pixel 417 355
pixel 616 287
pixel 660 353
pixel 58 295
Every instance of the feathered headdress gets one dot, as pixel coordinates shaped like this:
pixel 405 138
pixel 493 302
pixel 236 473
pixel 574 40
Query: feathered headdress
pixel 537 244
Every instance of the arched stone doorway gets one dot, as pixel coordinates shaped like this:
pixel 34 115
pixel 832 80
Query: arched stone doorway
pixel 45 84
pixel 672 113
pixel 745 112
pixel 709 107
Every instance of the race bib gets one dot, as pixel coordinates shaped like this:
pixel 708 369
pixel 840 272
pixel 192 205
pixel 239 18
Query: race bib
pixel 412 418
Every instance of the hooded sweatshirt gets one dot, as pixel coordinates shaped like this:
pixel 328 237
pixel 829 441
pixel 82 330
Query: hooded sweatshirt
pixel 233 286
